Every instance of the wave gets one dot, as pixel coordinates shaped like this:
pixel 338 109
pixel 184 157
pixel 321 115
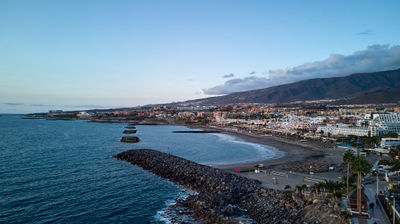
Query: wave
pixel 263 151
pixel 167 216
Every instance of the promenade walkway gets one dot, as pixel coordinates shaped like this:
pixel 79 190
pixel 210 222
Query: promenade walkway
pixel 376 214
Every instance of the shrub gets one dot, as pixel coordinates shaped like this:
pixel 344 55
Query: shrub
pixel 288 187
pixel 288 196
pixel 345 214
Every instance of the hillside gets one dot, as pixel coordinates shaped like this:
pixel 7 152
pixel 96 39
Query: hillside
pixel 377 87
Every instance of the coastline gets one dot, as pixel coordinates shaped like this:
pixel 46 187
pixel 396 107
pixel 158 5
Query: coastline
pixel 294 151
pixel 293 168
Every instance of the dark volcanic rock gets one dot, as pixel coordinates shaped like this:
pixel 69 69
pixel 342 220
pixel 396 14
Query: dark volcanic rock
pixel 130 139
pixel 222 195
pixel 129 131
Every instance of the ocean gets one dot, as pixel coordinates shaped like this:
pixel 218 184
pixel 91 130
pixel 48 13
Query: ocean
pixel 63 171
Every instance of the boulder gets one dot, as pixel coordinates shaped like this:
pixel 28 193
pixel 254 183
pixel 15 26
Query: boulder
pixel 130 139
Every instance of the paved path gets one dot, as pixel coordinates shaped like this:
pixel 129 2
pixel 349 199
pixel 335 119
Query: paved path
pixel 284 178
pixel 376 214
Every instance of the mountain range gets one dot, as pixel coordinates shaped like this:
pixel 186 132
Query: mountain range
pixel 359 88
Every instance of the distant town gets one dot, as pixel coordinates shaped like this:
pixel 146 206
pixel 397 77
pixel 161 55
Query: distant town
pixel 373 127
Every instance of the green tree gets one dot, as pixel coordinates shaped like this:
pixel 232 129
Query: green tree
pixel 288 187
pixel 360 166
pixel 334 187
pixel 317 187
pixel 390 134
pixel 370 141
pixel 348 158
pixel 395 166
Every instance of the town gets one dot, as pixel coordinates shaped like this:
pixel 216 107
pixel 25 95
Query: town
pixel 374 128
pixel 374 125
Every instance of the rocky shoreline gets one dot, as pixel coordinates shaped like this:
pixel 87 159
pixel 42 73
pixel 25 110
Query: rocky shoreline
pixel 225 197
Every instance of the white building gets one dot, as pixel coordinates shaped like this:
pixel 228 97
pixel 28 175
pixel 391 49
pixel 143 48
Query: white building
pixel 386 123
pixel 390 142
pixel 345 131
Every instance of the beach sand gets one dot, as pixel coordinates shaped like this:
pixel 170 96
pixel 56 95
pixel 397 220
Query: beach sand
pixel 276 173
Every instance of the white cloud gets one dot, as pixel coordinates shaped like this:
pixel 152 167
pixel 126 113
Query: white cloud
pixel 374 58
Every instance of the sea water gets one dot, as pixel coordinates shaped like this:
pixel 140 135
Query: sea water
pixel 63 171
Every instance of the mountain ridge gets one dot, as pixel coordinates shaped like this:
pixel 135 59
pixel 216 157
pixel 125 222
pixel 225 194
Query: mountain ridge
pixel 355 88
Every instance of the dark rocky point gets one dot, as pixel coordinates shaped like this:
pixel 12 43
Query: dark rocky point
pixel 222 196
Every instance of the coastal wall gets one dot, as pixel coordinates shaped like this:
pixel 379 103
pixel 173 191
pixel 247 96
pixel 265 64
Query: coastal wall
pixel 223 196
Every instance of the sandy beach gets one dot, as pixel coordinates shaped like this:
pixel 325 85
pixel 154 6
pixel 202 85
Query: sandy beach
pixel 279 172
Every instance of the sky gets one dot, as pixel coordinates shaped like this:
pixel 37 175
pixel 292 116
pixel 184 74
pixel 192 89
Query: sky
pixel 74 55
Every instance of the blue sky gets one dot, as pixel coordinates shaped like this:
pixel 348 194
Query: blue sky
pixel 84 54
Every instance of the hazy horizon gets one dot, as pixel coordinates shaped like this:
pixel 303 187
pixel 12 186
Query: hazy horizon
pixel 74 55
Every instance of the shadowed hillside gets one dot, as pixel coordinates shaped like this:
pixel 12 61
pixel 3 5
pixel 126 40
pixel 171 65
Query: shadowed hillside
pixel 377 87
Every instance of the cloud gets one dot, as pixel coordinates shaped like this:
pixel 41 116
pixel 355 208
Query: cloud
pixel 90 106
pixel 13 104
pixel 374 58
pixel 365 32
pixel 238 85
pixel 55 105
pixel 228 76
pixel 42 105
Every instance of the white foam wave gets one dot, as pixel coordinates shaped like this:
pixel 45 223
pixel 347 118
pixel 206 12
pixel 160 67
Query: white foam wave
pixel 162 214
pixel 263 151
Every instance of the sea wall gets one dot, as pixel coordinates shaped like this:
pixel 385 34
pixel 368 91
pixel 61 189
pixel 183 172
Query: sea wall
pixel 222 196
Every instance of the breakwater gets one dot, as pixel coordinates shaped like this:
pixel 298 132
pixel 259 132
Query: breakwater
pixel 130 139
pixel 129 132
pixel 224 196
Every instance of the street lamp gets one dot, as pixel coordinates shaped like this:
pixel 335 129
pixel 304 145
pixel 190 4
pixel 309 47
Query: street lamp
pixel 376 173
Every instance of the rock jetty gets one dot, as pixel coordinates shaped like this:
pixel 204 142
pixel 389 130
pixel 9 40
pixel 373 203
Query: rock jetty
pixel 223 196
pixel 129 132
pixel 130 139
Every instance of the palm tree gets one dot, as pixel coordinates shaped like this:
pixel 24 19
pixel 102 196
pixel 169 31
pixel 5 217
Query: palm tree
pixel 348 158
pixel 360 166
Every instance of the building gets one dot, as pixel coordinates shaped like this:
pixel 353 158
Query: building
pixel 343 131
pixel 386 123
pixel 379 125
pixel 390 142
